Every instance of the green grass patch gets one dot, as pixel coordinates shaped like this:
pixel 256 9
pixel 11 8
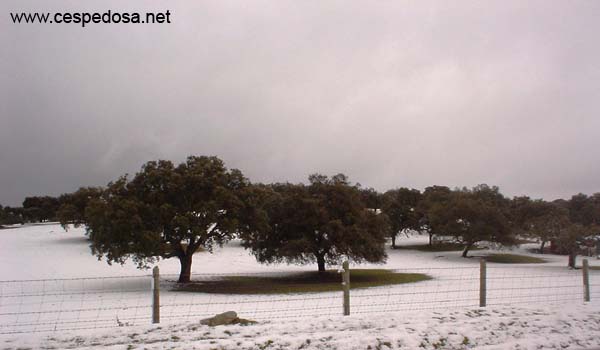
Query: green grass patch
pixel 519 241
pixel 437 247
pixel 513 259
pixel 304 282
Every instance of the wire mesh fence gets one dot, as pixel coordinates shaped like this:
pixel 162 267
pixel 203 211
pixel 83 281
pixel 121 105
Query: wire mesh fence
pixel 51 305
pixel 447 288
pixel 177 304
pixel 73 304
pixel 525 285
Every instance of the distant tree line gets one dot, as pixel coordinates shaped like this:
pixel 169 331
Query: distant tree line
pixel 37 209
pixel 11 215
pixel 34 209
pixel 172 211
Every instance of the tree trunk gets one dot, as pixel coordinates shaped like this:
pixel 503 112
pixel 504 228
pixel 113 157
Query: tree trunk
pixel 321 263
pixel 572 258
pixel 394 241
pixel 542 247
pixel 430 238
pixel 466 250
pixel 185 273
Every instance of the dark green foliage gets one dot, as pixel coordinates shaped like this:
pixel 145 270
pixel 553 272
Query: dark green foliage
pixel 584 215
pixel 173 211
pixel 73 205
pixel 520 213
pixel 323 222
pixel 471 216
pixel 567 223
pixel 371 198
pixel 400 206
pixel 584 210
pixel 166 211
pixel 539 219
pixel 571 238
pixel 39 209
pixel 433 200
pixel 11 216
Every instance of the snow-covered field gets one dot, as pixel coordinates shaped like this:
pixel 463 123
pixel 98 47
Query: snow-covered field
pixel 49 283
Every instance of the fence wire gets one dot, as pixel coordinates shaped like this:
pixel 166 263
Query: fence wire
pixel 50 305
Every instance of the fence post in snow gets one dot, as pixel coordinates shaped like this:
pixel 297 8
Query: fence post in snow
pixel 346 287
pixel 155 295
pixel 482 282
pixel 586 280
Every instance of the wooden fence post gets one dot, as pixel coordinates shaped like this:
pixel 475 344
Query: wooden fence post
pixel 586 280
pixel 346 287
pixel 155 295
pixel 482 282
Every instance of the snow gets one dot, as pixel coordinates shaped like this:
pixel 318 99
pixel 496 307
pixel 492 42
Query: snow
pixel 529 306
pixel 563 327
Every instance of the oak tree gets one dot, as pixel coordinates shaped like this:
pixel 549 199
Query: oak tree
pixel 323 222
pixel 73 205
pixel 544 221
pixel 166 211
pixel 473 216
pixel 400 206
pixel 433 202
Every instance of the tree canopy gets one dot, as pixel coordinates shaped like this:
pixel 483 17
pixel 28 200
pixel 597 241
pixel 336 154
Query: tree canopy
pixel 400 206
pixel 539 219
pixel 73 205
pixel 323 222
pixel 572 236
pixel 471 216
pixel 584 209
pixel 39 209
pixel 11 216
pixel 166 211
pixel 432 204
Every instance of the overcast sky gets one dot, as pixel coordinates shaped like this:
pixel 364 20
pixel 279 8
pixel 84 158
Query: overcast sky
pixel 391 93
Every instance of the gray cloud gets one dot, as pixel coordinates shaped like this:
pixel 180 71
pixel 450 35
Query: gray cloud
pixel 392 93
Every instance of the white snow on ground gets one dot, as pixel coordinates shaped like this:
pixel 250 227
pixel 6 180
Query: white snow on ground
pixel 47 251
pixel 529 306
pixel 562 327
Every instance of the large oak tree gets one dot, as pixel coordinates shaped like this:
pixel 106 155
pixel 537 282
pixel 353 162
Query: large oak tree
pixel 167 211
pixel 471 216
pixel 323 222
